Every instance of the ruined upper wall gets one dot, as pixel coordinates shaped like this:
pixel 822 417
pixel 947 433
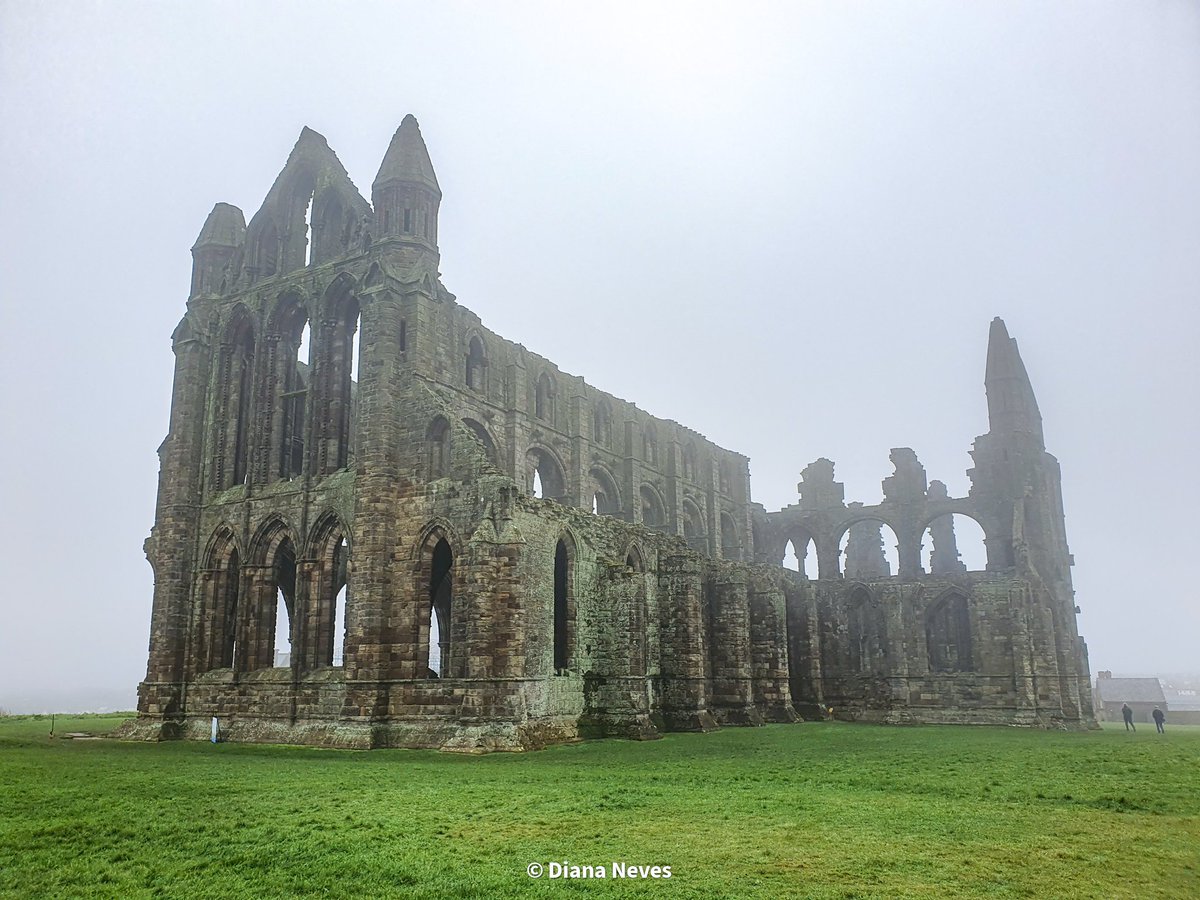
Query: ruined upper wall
pixel 260 283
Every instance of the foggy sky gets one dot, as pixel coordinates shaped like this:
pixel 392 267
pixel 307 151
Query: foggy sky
pixel 785 225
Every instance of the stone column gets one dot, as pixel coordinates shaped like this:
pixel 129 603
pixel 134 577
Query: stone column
pixel 684 699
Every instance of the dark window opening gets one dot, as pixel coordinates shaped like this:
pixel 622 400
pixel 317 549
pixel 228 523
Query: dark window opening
pixel 561 632
pixel 407 221
pixel 948 635
pixel 440 586
pixel 476 361
pixel 437 440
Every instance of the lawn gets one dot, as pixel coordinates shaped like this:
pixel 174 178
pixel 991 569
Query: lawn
pixel 812 810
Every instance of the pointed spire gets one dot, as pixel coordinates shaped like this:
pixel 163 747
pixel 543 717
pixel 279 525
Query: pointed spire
pixel 1012 407
pixel 224 227
pixel 407 158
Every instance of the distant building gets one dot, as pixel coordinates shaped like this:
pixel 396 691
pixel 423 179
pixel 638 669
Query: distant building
pixel 1184 702
pixel 1142 695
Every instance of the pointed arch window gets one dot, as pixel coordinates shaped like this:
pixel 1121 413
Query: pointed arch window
pixel 948 635
pixel 476 365
pixel 543 401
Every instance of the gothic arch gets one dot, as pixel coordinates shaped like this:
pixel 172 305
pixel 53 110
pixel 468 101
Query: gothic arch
pixel 948 633
pixel 437 448
pixel 606 496
pixel 333 391
pixel 285 394
pixel 731 545
pixel 476 363
pixel 654 511
pixel 694 531
pixel 326 574
pixel 865 632
pixel 602 424
pixel 236 374
pixel 437 553
pixel 563 608
pixel 220 601
pixel 650 444
pixel 542 466
pixel 544 397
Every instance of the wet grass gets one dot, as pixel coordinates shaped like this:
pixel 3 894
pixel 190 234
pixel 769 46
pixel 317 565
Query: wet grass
pixel 814 810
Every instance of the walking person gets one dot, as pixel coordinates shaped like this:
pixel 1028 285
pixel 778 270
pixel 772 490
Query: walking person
pixel 1159 716
pixel 1127 715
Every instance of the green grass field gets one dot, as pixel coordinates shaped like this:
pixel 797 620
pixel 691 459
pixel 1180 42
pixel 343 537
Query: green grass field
pixel 813 810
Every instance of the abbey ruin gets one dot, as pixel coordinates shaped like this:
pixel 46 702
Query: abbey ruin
pixel 463 547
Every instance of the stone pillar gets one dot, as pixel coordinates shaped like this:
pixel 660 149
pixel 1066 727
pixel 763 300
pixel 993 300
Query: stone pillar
pixel 684 699
pixel 769 651
pixel 732 699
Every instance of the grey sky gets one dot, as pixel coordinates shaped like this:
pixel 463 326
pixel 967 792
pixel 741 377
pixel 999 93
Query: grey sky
pixel 786 225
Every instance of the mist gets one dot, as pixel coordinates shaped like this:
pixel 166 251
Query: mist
pixel 785 225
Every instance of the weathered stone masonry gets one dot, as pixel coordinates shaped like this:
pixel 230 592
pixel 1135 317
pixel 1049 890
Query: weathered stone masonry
pixel 521 558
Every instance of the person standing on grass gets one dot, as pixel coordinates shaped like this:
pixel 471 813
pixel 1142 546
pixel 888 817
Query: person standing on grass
pixel 1127 715
pixel 1159 716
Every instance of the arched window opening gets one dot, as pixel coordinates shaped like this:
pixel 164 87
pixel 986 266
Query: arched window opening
pixel 800 555
pixel 437 443
pixel 602 424
pixel 295 396
pixel 238 378
pixel 864 633
pixel 637 613
pixel 438 622
pixel 308 232
pixel 222 595
pixel 544 476
pixel 731 546
pixel 948 635
pixel 276 648
pixel 650 444
pixel 483 438
pixel 951 544
pixel 790 560
pixel 282 656
pixel 403 335
pixel 337 372
pixel 870 550
pixel 689 461
pixel 476 365
pixel 724 477
pixel 355 349
pixel 562 617
pixel 653 513
pixel 340 603
pixel 693 527
pixel 605 500
pixel 266 250
pixel 543 401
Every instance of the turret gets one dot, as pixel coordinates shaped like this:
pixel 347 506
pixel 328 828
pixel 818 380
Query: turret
pixel 405 193
pixel 222 236
pixel 1012 407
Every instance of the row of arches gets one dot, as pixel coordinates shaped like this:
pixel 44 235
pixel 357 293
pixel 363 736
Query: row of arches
pixel 274 604
pixel 545 479
pixel 286 400
pixel 441 625
pixel 869 549
pixel 475 377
